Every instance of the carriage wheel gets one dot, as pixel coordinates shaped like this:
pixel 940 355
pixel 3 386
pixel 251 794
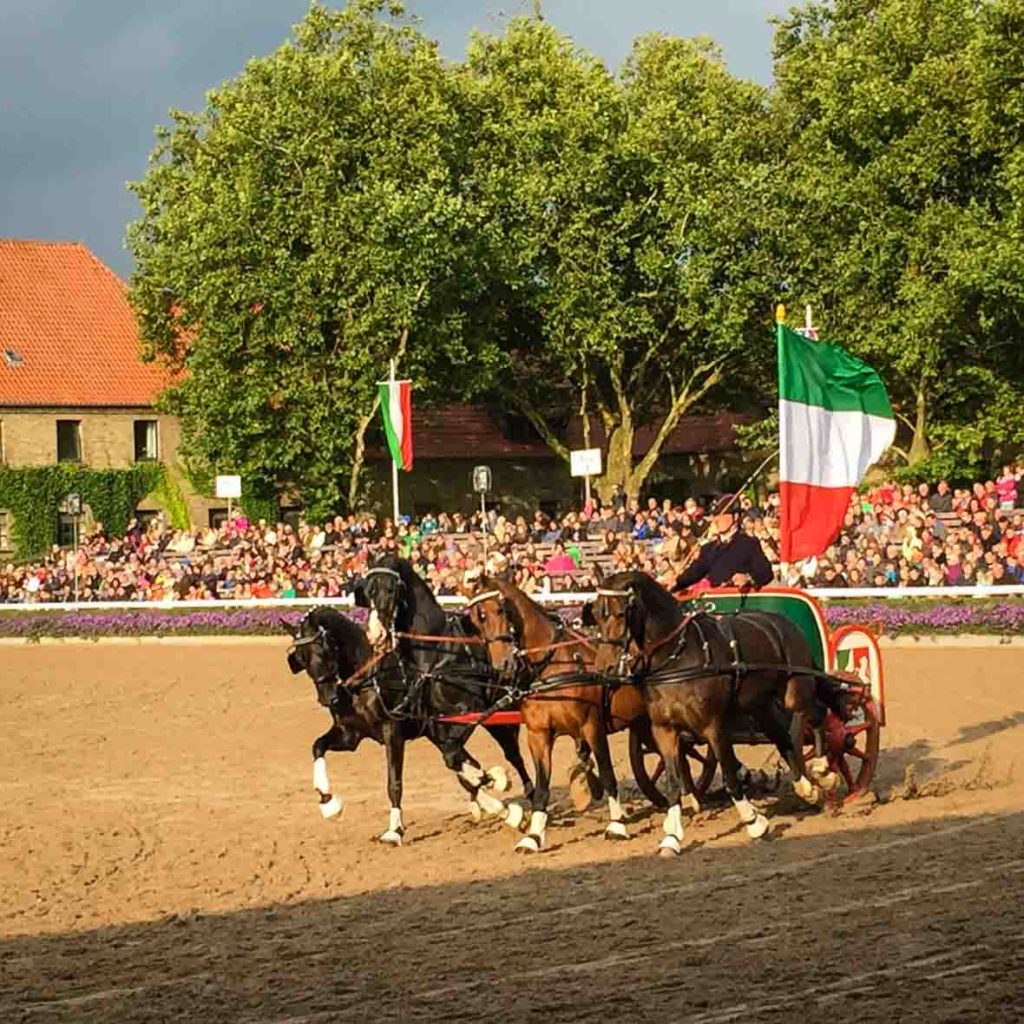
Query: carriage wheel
pixel 698 765
pixel 851 746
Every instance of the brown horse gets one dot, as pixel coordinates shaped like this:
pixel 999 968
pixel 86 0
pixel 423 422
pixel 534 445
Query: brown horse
pixel 700 675
pixel 525 642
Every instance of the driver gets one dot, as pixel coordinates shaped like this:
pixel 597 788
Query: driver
pixel 732 558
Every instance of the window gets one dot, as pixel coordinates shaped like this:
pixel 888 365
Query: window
pixel 69 440
pixel 66 530
pixel 145 441
pixel 3 457
pixel 217 517
pixel 5 531
pixel 146 516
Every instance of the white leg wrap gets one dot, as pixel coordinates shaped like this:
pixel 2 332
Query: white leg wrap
pixel 473 775
pixel 491 804
pixel 499 779
pixel 391 838
pixel 690 800
pixel 828 781
pixel 673 824
pixel 395 820
pixel 331 808
pixel 320 780
pixel 475 811
pixel 515 815
pixel 818 765
pixel 806 790
pixel 533 842
pixel 745 809
pixel 670 847
pixel 758 827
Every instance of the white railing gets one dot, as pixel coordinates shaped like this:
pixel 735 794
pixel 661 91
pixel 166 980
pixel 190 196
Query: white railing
pixel 563 598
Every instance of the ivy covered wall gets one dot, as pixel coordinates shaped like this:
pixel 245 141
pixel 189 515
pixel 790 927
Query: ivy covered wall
pixel 33 496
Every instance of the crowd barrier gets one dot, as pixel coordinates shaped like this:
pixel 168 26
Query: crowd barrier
pixel 562 598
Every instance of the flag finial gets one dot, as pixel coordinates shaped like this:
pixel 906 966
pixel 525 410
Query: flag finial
pixel 780 313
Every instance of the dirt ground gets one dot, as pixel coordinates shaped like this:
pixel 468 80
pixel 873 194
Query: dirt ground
pixel 162 857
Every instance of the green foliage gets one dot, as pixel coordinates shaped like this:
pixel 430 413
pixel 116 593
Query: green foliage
pixel 899 207
pixel 34 495
pixel 291 232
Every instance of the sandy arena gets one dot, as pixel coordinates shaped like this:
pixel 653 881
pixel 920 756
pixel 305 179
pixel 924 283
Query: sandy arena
pixel 163 858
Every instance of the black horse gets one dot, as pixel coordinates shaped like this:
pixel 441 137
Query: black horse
pixel 702 675
pixel 367 695
pixel 447 676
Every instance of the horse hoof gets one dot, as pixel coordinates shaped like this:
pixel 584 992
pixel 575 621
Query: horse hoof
pixel 818 766
pixel 529 844
pixel 515 816
pixel 391 838
pixel 616 830
pixel 331 808
pixel 669 847
pixel 828 781
pixel 499 779
pixel 758 827
pixel 475 811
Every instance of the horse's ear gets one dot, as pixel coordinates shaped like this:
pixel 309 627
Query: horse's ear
pixel 359 595
pixel 587 617
pixel 292 631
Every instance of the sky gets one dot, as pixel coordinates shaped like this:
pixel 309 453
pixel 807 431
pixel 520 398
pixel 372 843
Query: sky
pixel 83 84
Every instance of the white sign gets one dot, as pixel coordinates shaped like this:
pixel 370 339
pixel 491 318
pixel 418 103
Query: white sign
pixel 585 462
pixel 481 479
pixel 228 487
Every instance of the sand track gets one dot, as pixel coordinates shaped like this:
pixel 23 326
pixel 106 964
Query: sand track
pixel 161 857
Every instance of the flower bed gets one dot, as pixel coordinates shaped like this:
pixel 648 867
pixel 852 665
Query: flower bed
pixel 891 618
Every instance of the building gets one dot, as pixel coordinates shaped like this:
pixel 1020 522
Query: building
pixel 73 387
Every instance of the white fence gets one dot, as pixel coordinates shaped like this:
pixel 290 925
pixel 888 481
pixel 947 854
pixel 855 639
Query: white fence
pixel 564 598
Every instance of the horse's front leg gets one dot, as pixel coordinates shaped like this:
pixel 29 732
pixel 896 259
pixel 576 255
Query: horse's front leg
pixel 721 743
pixel 338 737
pixel 666 739
pixel 394 747
pixel 597 738
pixel 451 742
pixel 541 742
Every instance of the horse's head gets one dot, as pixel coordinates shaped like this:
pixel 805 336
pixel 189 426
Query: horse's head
pixel 381 591
pixel 313 652
pixel 493 616
pixel 618 616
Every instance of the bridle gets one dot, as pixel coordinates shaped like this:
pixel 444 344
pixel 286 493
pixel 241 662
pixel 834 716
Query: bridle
pixel 627 658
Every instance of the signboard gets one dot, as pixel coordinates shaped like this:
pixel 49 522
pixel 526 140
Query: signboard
pixel 585 462
pixel 481 479
pixel 228 487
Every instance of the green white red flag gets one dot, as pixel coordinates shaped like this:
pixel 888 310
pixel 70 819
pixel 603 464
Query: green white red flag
pixel 396 408
pixel 834 422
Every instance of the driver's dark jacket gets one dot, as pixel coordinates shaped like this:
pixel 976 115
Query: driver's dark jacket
pixel 720 562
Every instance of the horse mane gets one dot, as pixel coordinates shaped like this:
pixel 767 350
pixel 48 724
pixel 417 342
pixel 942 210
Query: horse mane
pixel 524 605
pixel 653 596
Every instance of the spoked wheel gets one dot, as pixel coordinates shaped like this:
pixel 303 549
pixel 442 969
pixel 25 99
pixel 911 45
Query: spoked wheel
pixel 699 766
pixel 851 746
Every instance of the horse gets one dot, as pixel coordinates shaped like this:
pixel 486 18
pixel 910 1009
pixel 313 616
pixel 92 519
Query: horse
pixel 526 644
pixel 450 676
pixel 699 673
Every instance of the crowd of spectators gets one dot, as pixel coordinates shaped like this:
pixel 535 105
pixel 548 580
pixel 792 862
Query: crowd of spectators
pixel 892 536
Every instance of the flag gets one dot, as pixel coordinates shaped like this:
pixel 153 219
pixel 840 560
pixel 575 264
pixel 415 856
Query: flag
pixel 834 422
pixel 396 408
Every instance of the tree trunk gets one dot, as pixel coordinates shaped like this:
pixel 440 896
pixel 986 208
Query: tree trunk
pixel 618 468
pixel 359 455
pixel 919 447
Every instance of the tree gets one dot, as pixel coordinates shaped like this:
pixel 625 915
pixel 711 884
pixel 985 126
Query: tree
pixel 894 201
pixel 298 232
pixel 626 272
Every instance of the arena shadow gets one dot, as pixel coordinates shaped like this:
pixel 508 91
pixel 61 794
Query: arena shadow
pixel 917 923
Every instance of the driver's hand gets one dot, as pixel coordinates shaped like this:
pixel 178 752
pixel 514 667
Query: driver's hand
pixel 740 579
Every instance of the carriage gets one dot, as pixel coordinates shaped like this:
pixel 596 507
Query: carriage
pixel 850 656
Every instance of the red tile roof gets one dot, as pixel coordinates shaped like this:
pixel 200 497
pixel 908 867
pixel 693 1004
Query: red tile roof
pixel 66 317
pixel 474 432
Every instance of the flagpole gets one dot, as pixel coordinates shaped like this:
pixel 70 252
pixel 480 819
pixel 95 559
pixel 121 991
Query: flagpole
pixel 394 462
pixel 780 322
